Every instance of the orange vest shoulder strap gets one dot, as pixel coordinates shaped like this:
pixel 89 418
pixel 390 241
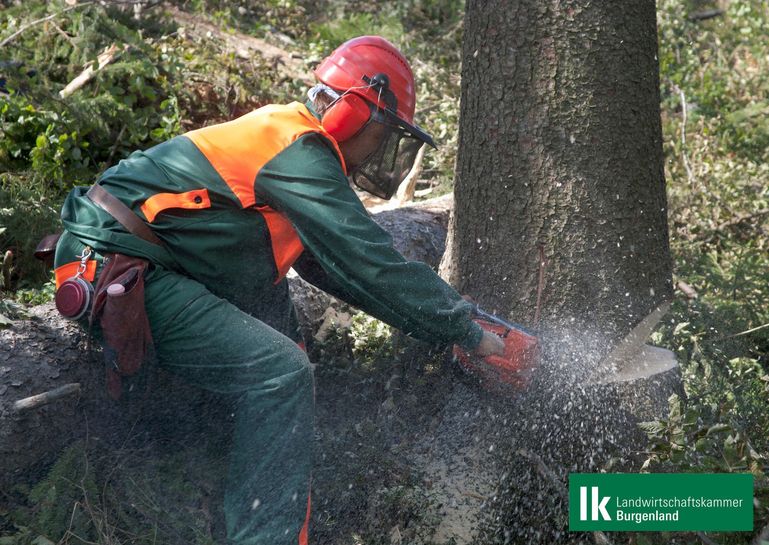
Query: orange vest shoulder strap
pixel 240 148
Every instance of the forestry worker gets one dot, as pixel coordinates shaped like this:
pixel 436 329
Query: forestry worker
pixel 189 243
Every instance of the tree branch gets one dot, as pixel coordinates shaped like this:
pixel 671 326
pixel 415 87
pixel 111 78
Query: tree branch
pixel 38 21
pixel 687 290
pixel 406 189
pixel 684 155
pixel 741 333
pixel 742 218
pixel 706 14
pixel 39 400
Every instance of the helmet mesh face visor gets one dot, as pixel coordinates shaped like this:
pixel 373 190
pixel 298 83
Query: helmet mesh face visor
pixel 385 169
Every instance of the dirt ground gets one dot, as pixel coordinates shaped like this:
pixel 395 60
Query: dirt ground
pixel 415 449
pixel 402 457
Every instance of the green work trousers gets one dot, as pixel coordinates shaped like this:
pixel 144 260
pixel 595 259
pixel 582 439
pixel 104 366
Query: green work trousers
pixel 223 347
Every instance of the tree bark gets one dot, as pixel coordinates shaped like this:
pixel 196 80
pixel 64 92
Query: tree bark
pixel 46 352
pixel 560 148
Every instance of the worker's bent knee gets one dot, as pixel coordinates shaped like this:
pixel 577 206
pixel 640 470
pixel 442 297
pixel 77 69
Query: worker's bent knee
pixel 301 370
pixel 300 360
pixel 278 356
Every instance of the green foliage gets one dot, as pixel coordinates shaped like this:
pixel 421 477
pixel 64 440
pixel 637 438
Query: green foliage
pixel 160 83
pixel 267 17
pixel 28 211
pixel 371 339
pixel 99 494
pixel 334 32
pixel 714 76
pixel 688 441
pixel 719 207
pixel 29 139
pixel 10 311
pixel 696 438
pixel 365 342
pixel 61 501
pixel 434 42
pixel 36 296
pixel 65 141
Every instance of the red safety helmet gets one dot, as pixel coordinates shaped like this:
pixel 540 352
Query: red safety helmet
pixel 376 83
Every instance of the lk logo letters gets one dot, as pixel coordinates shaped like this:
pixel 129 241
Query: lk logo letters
pixel 596 507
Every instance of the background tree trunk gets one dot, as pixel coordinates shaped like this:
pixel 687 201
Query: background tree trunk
pixel 560 148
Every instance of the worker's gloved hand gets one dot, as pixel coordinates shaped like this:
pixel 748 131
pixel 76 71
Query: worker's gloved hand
pixel 491 344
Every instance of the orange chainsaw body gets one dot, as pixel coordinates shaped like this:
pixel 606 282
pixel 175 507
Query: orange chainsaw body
pixel 499 373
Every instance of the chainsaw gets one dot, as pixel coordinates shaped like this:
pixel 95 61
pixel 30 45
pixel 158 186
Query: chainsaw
pixel 515 368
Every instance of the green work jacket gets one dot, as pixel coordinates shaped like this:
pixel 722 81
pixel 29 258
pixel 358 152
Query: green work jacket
pixel 239 203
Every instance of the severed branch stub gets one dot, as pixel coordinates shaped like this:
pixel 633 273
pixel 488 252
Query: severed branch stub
pixel 687 290
pixel 405 191
pixel 104 58
pixel 39 400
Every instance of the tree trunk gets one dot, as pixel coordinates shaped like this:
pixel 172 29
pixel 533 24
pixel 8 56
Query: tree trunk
pixel 560 149
pixel 560 155
pixel 47 352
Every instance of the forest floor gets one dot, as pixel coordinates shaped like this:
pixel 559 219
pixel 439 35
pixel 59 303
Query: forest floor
pixel 403 455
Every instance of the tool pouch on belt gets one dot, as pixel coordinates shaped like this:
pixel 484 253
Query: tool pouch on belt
pixel 119 298
pixel 119 307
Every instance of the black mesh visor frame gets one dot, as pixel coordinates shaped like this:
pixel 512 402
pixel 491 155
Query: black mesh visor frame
pixel 384 170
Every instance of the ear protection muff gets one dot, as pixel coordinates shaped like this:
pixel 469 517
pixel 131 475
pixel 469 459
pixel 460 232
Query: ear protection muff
pixel 346 116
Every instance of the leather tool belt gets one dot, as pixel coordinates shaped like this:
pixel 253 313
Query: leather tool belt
pixel 124 215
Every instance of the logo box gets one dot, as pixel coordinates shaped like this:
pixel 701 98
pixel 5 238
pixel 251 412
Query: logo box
pixel 661 502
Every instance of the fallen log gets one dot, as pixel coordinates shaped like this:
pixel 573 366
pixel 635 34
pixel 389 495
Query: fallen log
pixel 44 355
pixel 242 45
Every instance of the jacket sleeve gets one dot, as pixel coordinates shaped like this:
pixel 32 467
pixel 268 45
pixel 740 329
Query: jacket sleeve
pixel 311 271
pixel 306 183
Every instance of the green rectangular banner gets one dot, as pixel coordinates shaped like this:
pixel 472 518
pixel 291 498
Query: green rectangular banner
pixel 661 502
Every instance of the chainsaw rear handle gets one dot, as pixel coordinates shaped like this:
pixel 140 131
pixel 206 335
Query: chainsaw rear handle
pixel 497 320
